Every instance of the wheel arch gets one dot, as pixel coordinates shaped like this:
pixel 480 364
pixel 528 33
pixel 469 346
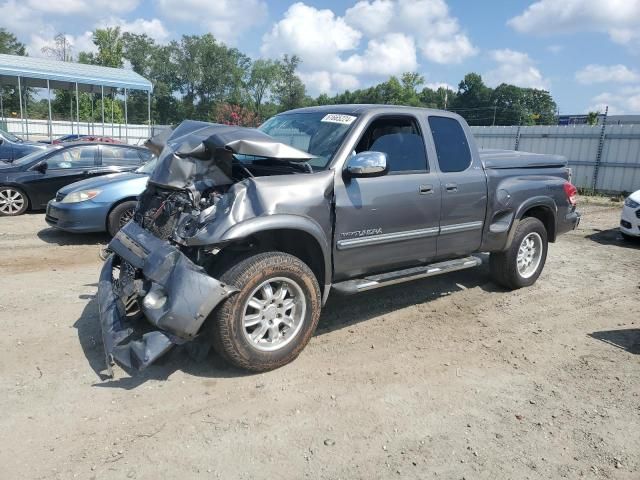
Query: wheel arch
pixel 542 208
pixel 298 236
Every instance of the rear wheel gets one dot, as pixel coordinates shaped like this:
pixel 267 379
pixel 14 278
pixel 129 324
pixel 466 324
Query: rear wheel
pixel 13 202
pixel 522 263
pixel 120 215
pixel 271 319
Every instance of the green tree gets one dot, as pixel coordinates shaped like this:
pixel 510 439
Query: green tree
pixel 289 91
pixel 473 100
pixel 263 78
pixel 110 48
pixel 10 45
pixel 592 118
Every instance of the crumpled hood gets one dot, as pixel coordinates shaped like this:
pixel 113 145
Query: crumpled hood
pixel 203 152
pixel 102 181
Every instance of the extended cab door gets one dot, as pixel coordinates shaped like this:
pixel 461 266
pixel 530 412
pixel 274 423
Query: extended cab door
pixel 464 187
pixel 391 221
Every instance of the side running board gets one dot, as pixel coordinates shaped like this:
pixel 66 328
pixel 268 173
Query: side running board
pixel 399 276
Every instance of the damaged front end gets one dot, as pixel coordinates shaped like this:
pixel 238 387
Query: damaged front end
pixel 154 290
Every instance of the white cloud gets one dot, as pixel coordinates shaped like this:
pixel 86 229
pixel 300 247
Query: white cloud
pixel 390 55
pixel 437 34
pixel 225 19
pixel 77 43
pixel 395 32
pixel 437 85
pixel 515 68
pixel 372 18
pixel 627 100
pixel 618 18
pixel 317 36
pixel 607 74
pixel 154 28
pixel 328 82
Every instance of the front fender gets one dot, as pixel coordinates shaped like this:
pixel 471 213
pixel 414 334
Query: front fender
pixel 283 222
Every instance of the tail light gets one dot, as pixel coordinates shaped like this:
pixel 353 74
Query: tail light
pixel 570 191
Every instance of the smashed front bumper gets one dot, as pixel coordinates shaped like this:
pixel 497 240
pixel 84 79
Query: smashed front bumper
pixel 180 296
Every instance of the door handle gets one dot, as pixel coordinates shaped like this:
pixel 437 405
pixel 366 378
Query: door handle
pixel 451 187
pixel 425 189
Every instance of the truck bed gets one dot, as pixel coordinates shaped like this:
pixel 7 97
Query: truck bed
pixel 499 159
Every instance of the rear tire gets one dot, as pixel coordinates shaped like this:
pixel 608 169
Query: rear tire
pixel 522 263
pixel 13 202
pixel 271 319
pixel 120 215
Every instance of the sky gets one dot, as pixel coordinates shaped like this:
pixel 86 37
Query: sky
pixel 585 52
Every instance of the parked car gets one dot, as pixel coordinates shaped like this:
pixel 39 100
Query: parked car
pixel 33 180
pixel 98 204
pixel 630 221
pixel 13 147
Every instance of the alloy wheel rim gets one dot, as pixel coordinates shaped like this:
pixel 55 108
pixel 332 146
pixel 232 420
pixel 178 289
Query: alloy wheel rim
pixel 126 216
pixel 11 201
pixel 529 255
pixel 274 314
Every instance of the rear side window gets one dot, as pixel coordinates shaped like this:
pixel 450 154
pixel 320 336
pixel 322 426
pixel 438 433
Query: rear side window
pixel 451 144
pixel 74 157
pixel 120 156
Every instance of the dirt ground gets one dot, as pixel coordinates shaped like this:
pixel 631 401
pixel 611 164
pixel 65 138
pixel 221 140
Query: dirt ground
pixel 449 377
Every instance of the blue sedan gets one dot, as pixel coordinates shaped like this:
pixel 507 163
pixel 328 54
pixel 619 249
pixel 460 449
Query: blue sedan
pixel 98 204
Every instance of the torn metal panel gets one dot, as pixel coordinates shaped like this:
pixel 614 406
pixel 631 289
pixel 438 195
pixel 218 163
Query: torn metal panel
pixel 176 297
pixel 203 152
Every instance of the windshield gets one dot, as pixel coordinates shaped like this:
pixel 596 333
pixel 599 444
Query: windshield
pixel 32 156
pixel 320 134
pixel 9 136
pixel 148 167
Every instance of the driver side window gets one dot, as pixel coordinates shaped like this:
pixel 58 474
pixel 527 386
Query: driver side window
pixel 400 139
pixel 75 157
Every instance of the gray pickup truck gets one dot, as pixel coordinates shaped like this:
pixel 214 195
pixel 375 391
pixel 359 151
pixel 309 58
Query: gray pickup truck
pixel 241 234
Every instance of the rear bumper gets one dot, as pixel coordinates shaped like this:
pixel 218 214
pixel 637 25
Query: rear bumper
pixel 569 222
pixel 81 217
pixel 184 296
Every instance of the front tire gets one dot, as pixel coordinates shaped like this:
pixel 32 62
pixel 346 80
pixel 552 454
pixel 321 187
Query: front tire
pixel 522 263
pixel 13 202
pixel 271 319
pixel 120 215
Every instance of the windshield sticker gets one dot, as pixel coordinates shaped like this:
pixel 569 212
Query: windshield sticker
pixel 338 118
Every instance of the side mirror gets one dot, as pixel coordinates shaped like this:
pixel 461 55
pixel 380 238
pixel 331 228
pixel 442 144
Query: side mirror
pixel 42 167
pixel 367 164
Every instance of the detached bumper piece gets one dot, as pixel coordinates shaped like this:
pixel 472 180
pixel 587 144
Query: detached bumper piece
pixel 174 295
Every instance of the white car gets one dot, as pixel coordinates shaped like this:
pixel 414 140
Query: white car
pixel 630 221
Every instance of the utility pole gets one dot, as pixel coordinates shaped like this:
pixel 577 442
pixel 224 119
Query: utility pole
pixel 494 115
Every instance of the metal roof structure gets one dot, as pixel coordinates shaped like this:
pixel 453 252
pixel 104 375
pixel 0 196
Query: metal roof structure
pixel 24 72
pixel 64 75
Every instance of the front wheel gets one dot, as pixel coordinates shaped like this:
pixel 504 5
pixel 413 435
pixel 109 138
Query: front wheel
pixel 271 319
pixel 120 215
pixel 13 202
pixel 522 263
